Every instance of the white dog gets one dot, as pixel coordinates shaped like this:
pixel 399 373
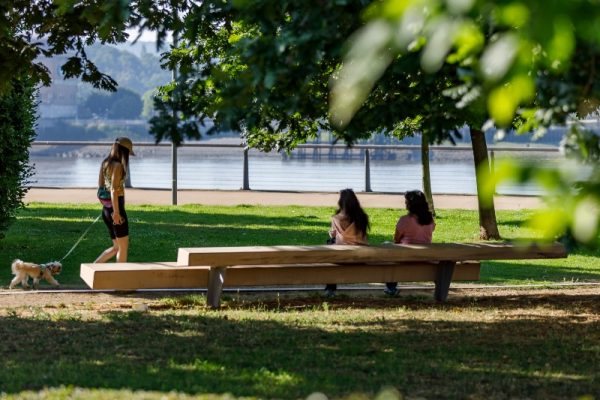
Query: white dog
pixel 23 270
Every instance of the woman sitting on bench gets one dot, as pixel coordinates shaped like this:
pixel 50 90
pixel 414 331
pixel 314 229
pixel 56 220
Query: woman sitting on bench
pixel 349 225
pixel 416 227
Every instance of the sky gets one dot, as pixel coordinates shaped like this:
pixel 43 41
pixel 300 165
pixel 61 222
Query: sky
pixel 147 36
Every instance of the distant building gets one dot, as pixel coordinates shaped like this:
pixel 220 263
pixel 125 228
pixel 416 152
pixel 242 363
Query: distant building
pixel 59 100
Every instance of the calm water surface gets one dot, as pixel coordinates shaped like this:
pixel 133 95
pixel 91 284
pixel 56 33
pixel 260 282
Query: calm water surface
pixel 269 173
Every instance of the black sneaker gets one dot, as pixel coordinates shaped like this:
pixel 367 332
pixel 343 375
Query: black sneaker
pixel 330 293
pixel 390 292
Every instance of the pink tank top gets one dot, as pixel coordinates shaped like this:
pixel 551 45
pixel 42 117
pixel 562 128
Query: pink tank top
pixel 409 231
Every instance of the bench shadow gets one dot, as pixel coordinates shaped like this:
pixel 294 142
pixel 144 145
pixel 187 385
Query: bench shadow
pixel 539 356
pixel 29 238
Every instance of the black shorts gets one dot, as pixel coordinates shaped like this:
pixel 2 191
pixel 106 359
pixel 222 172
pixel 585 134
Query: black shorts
pixel 116 231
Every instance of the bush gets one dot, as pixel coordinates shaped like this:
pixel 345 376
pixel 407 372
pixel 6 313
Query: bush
pixel 17 120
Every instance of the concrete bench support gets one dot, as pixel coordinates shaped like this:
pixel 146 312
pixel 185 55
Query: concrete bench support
pixel 216 279
pixel 442 282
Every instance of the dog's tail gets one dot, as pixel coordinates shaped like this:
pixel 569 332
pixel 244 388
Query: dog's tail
pixel 16 266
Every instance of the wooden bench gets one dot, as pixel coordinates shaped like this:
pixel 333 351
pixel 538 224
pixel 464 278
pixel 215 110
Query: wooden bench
pixel 219 267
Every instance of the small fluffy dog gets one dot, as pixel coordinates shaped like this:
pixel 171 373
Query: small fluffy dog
pixel 23 270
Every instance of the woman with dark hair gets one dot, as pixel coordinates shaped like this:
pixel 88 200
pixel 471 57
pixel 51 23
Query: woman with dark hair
pixel 113 172
pixel 414 228
pixel 349 225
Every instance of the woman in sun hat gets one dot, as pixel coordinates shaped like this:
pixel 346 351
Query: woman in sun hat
pixel 113 172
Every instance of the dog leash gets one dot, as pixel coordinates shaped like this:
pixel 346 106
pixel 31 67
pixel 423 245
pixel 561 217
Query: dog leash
pixel 81 237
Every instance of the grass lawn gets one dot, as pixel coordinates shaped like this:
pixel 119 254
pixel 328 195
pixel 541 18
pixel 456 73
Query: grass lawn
pixel 535 344
pixel 45 232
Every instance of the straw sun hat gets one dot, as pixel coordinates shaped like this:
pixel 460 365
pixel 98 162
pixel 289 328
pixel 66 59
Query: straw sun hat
pixel 127 143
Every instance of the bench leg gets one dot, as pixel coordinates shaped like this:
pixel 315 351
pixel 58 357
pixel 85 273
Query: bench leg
pixel 442 283
pixel 216 278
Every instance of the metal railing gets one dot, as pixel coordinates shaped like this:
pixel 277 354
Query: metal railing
pixel 332 148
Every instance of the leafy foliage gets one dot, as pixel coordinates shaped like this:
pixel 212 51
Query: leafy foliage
pixel 47 28
pixel 17 119
pixel 260 68
pixel 264 69
pixel 506 50
pixel 530 64
pixel 137 73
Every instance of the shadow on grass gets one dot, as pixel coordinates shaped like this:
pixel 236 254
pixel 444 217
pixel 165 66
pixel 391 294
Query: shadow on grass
pixel 47 233
pixel 288 355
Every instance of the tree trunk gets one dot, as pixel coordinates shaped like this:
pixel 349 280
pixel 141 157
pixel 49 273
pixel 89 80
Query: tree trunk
pixel 488 227
pixel 426 172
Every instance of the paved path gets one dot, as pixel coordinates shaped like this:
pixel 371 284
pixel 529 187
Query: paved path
pixel 236 197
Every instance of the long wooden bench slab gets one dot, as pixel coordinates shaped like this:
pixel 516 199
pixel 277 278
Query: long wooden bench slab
pixel 226 256
pixel 128 276
pixel 445 255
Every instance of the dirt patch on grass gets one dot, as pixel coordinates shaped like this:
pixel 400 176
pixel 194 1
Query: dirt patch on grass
pixel 581 297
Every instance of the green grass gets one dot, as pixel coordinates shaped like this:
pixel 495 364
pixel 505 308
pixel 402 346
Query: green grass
pixel 45 232
pixel 496 347
pixel 479 345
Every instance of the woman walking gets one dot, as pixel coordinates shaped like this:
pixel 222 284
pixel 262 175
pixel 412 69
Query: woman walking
pixel 113 172
pixel 349 225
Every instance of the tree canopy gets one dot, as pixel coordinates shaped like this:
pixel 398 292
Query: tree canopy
pixel 532 63
pixel 264 67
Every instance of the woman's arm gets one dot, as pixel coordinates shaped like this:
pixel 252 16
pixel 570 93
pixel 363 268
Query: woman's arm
pixel 117 174
pixel 400 230
pixel 101 175
pixel 332 229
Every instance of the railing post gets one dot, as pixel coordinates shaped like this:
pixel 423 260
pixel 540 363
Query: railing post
pixel 173 145
pixel 173 174
pixel 367 171
pixel 246 183
pixel 493 169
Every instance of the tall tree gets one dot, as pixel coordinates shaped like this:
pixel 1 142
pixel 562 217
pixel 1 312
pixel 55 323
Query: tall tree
pixel 532 63
pixel 264 68
pixel 28 31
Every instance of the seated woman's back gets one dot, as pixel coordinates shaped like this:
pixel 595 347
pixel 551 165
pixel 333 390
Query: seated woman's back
pixel 410 231
pixel 346 232
pixel 349 225
pixel 416 227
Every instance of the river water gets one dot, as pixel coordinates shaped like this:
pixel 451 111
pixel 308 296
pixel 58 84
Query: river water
pixel 223 169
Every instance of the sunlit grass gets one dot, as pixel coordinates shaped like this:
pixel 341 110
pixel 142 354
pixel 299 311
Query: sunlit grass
pixel 45 232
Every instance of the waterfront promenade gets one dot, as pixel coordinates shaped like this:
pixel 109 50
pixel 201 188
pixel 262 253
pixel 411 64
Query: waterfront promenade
pixel 253 197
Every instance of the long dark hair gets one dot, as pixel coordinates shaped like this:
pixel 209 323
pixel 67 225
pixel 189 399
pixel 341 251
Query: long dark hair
pixel 349 204
pixel 118 153
pixel 416 204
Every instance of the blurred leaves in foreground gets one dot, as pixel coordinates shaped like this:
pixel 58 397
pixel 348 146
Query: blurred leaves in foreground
pixel 573 189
